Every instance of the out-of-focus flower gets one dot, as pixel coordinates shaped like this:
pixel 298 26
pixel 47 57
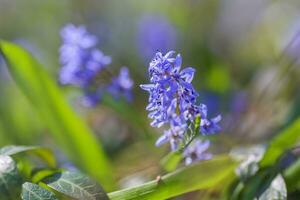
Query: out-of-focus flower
pixel 121 85
pixel 173 100
pixel 197 151
pixel 82 63
pixel 80 59
pixel 155 33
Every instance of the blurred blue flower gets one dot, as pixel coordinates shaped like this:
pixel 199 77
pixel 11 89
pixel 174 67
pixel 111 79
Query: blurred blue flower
pixel 82 63
pixel 197 151
pixel 121 85
pixel 155 33
pixel 173 100
pixel 80 59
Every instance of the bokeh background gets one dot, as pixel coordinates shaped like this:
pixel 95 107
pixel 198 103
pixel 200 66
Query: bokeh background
pixel 246 54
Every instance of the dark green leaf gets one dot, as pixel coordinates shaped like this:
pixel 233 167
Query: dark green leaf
pixel 292 176
pixel 31 191
pixel 76 185
pixel 203 175
pixel 277 190
pixel 256 185
pixel 41 152
pixel 283 141
pixel 69 131
pixel 10 180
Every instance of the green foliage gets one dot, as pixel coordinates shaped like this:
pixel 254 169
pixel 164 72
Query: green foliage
pixel 76 185
pixel 44 153
pixel 281 143
pixel 71 184
pixel 203 175
pixel 69 131
pixel 10 179
pixel 31 191
pixel 171 161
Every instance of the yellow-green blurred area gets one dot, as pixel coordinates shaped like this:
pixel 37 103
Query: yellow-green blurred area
pixel 246 53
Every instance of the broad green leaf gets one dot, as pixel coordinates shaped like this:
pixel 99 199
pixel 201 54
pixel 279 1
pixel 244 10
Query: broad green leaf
pixel 31 191
pixel 203 175
pixel 10 180
pixel 277 190
pixel 283 141
pixel 76 185
pixel 44 153
pixel 69 131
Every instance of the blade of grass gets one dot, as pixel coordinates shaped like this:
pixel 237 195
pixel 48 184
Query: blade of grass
pixel 69 131
pixel 202 175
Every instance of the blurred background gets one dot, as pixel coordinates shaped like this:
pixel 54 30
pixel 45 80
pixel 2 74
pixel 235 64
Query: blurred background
pixel 246 54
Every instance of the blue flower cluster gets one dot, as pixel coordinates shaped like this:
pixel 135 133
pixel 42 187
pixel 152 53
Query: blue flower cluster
pixel 82 63
pixel 173 100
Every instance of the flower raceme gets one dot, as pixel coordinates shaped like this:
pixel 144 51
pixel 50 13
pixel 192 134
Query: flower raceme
pixel 173 102
pixel 82 63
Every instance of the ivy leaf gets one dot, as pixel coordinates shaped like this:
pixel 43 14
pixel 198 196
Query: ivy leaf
pixel 44 153
pixel 10 180
pixel 31 191
pixel 76 185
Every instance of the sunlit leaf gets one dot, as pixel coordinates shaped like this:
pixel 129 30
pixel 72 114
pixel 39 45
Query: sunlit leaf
pixel 41 152
pixel 76 185
pixel 203 175
pixel 171 161
pixel 40 174
pixel 10 180
pixel 68 130
pixel 31 191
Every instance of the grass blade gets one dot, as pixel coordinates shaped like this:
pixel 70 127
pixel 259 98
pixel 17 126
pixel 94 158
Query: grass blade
pixel 203 175
pixel 69 131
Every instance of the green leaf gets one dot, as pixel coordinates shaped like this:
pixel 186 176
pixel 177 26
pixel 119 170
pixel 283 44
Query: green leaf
pixel 10 180
pixel 256 185
pixel 76 185
pixel 69 131
pixel 277 190
pixel 292 176
pixel 283 141
pixel 171 161
pixel 44 153
pixel 31 191
pixel 203 175
pixel 40 174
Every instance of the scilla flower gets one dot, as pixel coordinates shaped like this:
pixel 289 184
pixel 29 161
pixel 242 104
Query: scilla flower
pixel 173 102
pixel 82 63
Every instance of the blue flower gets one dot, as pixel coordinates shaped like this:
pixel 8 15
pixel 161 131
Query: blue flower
pixel 197 151
pixel 210 126
pixel 80 59
pixel 121 85
pixel 173 100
